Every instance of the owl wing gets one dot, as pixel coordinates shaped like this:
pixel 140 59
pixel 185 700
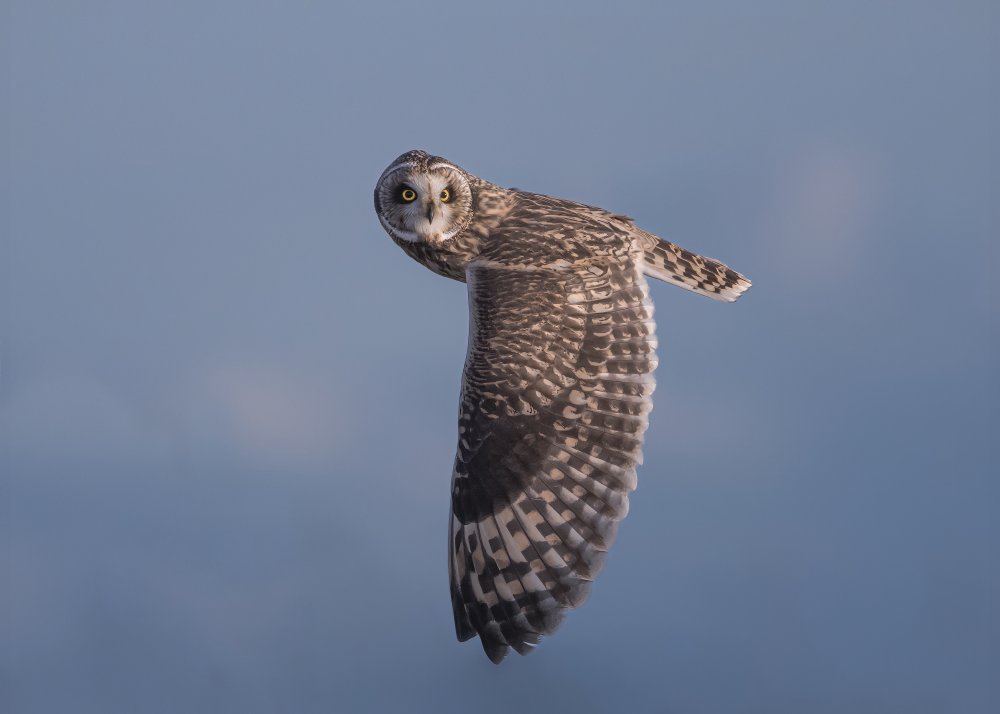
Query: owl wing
pixel 705 276
pixel 555 400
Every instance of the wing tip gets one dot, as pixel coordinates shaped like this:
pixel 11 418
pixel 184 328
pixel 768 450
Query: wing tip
pixel 496 651
pixel 732 293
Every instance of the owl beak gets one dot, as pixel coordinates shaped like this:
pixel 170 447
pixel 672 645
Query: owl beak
pixel 430 212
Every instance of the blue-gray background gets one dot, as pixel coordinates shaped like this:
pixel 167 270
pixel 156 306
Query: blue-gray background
pixel 227 400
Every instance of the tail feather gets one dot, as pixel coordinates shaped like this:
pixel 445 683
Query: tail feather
pixel 705 276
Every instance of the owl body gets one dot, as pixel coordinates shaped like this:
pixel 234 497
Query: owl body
pixel 556 388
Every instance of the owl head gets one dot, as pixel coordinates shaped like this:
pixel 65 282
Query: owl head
pixel 424 199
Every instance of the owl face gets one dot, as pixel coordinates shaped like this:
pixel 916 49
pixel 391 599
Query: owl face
pixel 422 198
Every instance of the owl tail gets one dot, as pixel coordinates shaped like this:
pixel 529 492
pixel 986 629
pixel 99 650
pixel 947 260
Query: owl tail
pixel 705 276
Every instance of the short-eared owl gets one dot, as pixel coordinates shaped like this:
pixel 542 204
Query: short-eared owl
pixel 557 387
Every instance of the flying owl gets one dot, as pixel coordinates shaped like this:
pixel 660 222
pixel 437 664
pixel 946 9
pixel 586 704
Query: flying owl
pixel 557 386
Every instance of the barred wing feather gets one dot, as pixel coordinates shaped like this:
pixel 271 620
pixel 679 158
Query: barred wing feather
pixel 555 401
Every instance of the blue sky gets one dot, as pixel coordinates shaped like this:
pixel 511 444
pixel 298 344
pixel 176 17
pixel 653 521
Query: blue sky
pixel 227 400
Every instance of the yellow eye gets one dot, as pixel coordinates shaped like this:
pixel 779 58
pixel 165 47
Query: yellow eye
pixel 408 194
pixel 445 196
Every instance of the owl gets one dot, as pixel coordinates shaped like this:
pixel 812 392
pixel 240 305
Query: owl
pixel 557 384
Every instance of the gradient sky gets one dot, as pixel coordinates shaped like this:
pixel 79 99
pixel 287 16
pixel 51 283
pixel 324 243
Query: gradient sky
pixel 227 400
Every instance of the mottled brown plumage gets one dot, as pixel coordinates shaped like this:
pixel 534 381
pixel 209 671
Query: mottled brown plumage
pixel 557 383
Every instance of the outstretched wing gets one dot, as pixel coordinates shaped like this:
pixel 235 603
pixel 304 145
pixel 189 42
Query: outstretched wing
pixel 555 400
pixel 706 276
